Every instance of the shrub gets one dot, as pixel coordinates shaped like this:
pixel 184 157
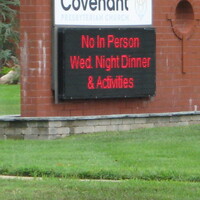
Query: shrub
pixel 9 36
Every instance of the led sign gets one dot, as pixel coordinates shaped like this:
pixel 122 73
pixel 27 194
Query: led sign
pixel 106 63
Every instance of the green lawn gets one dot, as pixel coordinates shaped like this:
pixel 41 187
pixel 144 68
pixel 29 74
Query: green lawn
pixel 150 164
pixel 148 154
pixel 54 189
pixel 9 99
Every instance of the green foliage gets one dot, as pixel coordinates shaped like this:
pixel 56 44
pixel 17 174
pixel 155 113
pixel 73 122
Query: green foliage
pixel 9 37
pixel 6 11
pixel 5 70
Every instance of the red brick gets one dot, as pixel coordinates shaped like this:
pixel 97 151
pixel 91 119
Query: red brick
pixel 175 91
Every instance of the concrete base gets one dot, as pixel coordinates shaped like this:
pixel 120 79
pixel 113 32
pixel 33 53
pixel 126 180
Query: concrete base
pixel 16 127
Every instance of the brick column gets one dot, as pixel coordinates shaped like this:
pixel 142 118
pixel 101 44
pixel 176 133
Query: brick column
pixel 35 24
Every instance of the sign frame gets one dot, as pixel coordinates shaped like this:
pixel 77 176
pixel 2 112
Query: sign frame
pixel 74 77
pixel 56 26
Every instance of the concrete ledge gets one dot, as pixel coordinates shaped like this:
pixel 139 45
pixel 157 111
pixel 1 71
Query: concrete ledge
pixel 19 178
pixel 44 128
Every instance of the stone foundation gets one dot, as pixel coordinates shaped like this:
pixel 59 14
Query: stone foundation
pixel 15 127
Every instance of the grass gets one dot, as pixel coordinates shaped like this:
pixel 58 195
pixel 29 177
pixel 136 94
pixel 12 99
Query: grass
pixel 150 164
pixel 9 99
pixel 147 154
pixel 55 189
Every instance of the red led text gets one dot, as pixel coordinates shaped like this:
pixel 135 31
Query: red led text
pixel 77 62
pixel 109 63
pixel 110 82
pixel 109 41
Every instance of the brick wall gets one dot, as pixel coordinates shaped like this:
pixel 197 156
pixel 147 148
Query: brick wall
pixel 176 91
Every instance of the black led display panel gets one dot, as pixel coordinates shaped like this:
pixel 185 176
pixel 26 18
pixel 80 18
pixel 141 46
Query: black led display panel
pixel 96 63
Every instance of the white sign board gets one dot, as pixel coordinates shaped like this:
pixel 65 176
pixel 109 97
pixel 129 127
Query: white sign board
pixel 103 12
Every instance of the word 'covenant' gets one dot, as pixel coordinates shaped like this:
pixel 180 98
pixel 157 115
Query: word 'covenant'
pixel 95 5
